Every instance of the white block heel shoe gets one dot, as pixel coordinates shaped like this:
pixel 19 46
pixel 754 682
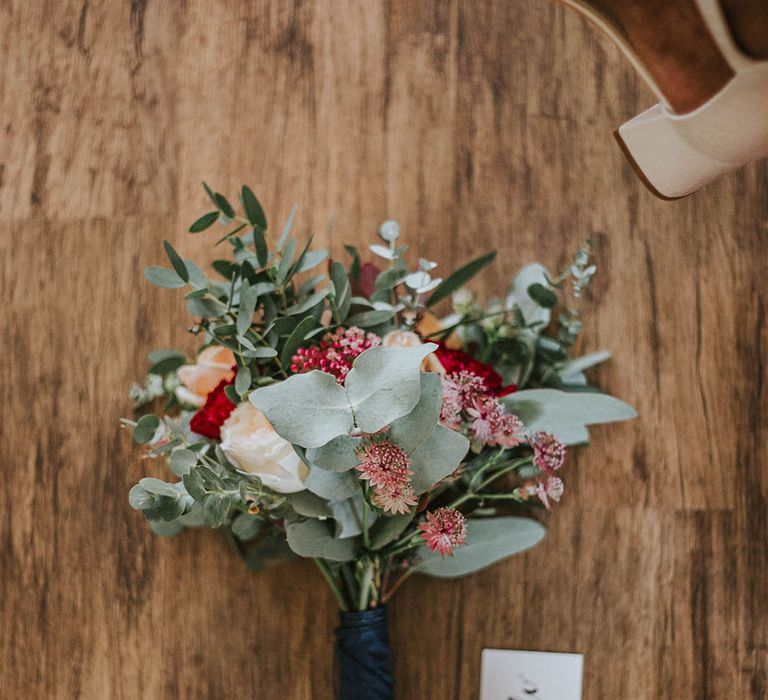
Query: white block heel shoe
pixel 676 154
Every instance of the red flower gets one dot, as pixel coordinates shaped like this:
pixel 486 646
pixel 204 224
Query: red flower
pixel 365 284
pixel 458 361
pixel 209 419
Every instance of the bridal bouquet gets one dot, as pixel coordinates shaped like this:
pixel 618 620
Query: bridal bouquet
pixel 332 413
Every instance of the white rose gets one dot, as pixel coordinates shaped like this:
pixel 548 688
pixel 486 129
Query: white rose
pixel 251 443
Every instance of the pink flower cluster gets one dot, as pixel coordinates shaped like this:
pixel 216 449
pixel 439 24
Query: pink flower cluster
pixel 551 488
pixel 444 529
pixel 385 466
pixel 466 397
pixel 549 456
pixel 335 353
pixel 548 452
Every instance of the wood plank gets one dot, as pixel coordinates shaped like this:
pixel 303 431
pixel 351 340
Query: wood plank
pixel 478 126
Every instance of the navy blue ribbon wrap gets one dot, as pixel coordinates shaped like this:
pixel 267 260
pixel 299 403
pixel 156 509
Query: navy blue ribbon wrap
pixel 362 656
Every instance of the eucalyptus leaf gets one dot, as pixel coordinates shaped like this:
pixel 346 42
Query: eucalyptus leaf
pixel 165 361
pixel 268 551
pixel 533 314
pixel 309 505
pixel 216 509
pixel 196 275
pixel 261 353
pixel 579 364
pixel 243 380
pixel 311 301
pixel 312 538
pixel 287 228
pixel 286 261
pixel 338 455
pixel 332 485
pixel 542 295
pixel 343 290
pixel 412 429
pixel 208 307
pixel 488 540
pixel 312 259
pixel 296 339
pixel 348 515
pixel 385 384
pixel 306 409
pixel 146 429
pixel 163 277
pixel 139 498
pixel 176 262
pixel 368 319
pixel 204 222
pixel 246 526
pixel 253 208
pixel 248 302
pixel 388 529
pixel 223 204
pixel 566 414
pixel 459 278
pixel 182 461
pixel 437 457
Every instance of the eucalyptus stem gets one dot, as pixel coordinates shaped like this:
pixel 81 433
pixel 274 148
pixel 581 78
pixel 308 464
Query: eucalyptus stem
pixel 321 564
pixel 365 586
pixel 366 533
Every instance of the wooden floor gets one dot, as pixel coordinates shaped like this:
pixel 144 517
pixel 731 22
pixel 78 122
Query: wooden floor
pixel 478 125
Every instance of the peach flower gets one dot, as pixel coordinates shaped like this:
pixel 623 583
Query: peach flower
pixel 409 339
pixel 214 364
pixel 251 443
pixel 431 324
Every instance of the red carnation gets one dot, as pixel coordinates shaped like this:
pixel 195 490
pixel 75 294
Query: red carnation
pixel 458 361
pixel 209 419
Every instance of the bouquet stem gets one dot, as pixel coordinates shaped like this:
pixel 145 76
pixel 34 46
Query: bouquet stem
pixel 363 657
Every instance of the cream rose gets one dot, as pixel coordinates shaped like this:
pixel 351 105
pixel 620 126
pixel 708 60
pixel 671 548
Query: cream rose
pixel 251 443
pixel 409 339
pixel 214 364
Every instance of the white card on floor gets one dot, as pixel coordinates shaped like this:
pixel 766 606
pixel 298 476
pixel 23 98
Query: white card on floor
pixel 530 675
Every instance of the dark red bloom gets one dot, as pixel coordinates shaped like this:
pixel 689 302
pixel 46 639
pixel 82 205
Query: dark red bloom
pixel 458 361
pixel 365 284
pixel 209 419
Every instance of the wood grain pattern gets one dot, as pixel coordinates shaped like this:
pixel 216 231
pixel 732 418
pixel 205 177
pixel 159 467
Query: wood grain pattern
pixel 478 125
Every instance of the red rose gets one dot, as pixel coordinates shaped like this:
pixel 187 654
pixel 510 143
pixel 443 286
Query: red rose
pixel 457 360
pixel 209 419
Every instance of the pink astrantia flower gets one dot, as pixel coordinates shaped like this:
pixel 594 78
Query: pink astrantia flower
pixel 335 353
pixel 552 488
pixel 466 397
pixel 444 529
pixel 548 452
pixel 395 500
pixel 460 389
pixel 383 464
pixel 491 424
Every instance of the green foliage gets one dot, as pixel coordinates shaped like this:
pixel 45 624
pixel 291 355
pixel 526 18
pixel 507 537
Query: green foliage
pixel 488 540
pixel 204 222
pixel 146 429
pixel 311 409
pixel 459 278
pixel 253 208
pixel 165 361
pixel 542 295
pixel 313 538
pixel 566 414
pixel 266 300
pixel 176 262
